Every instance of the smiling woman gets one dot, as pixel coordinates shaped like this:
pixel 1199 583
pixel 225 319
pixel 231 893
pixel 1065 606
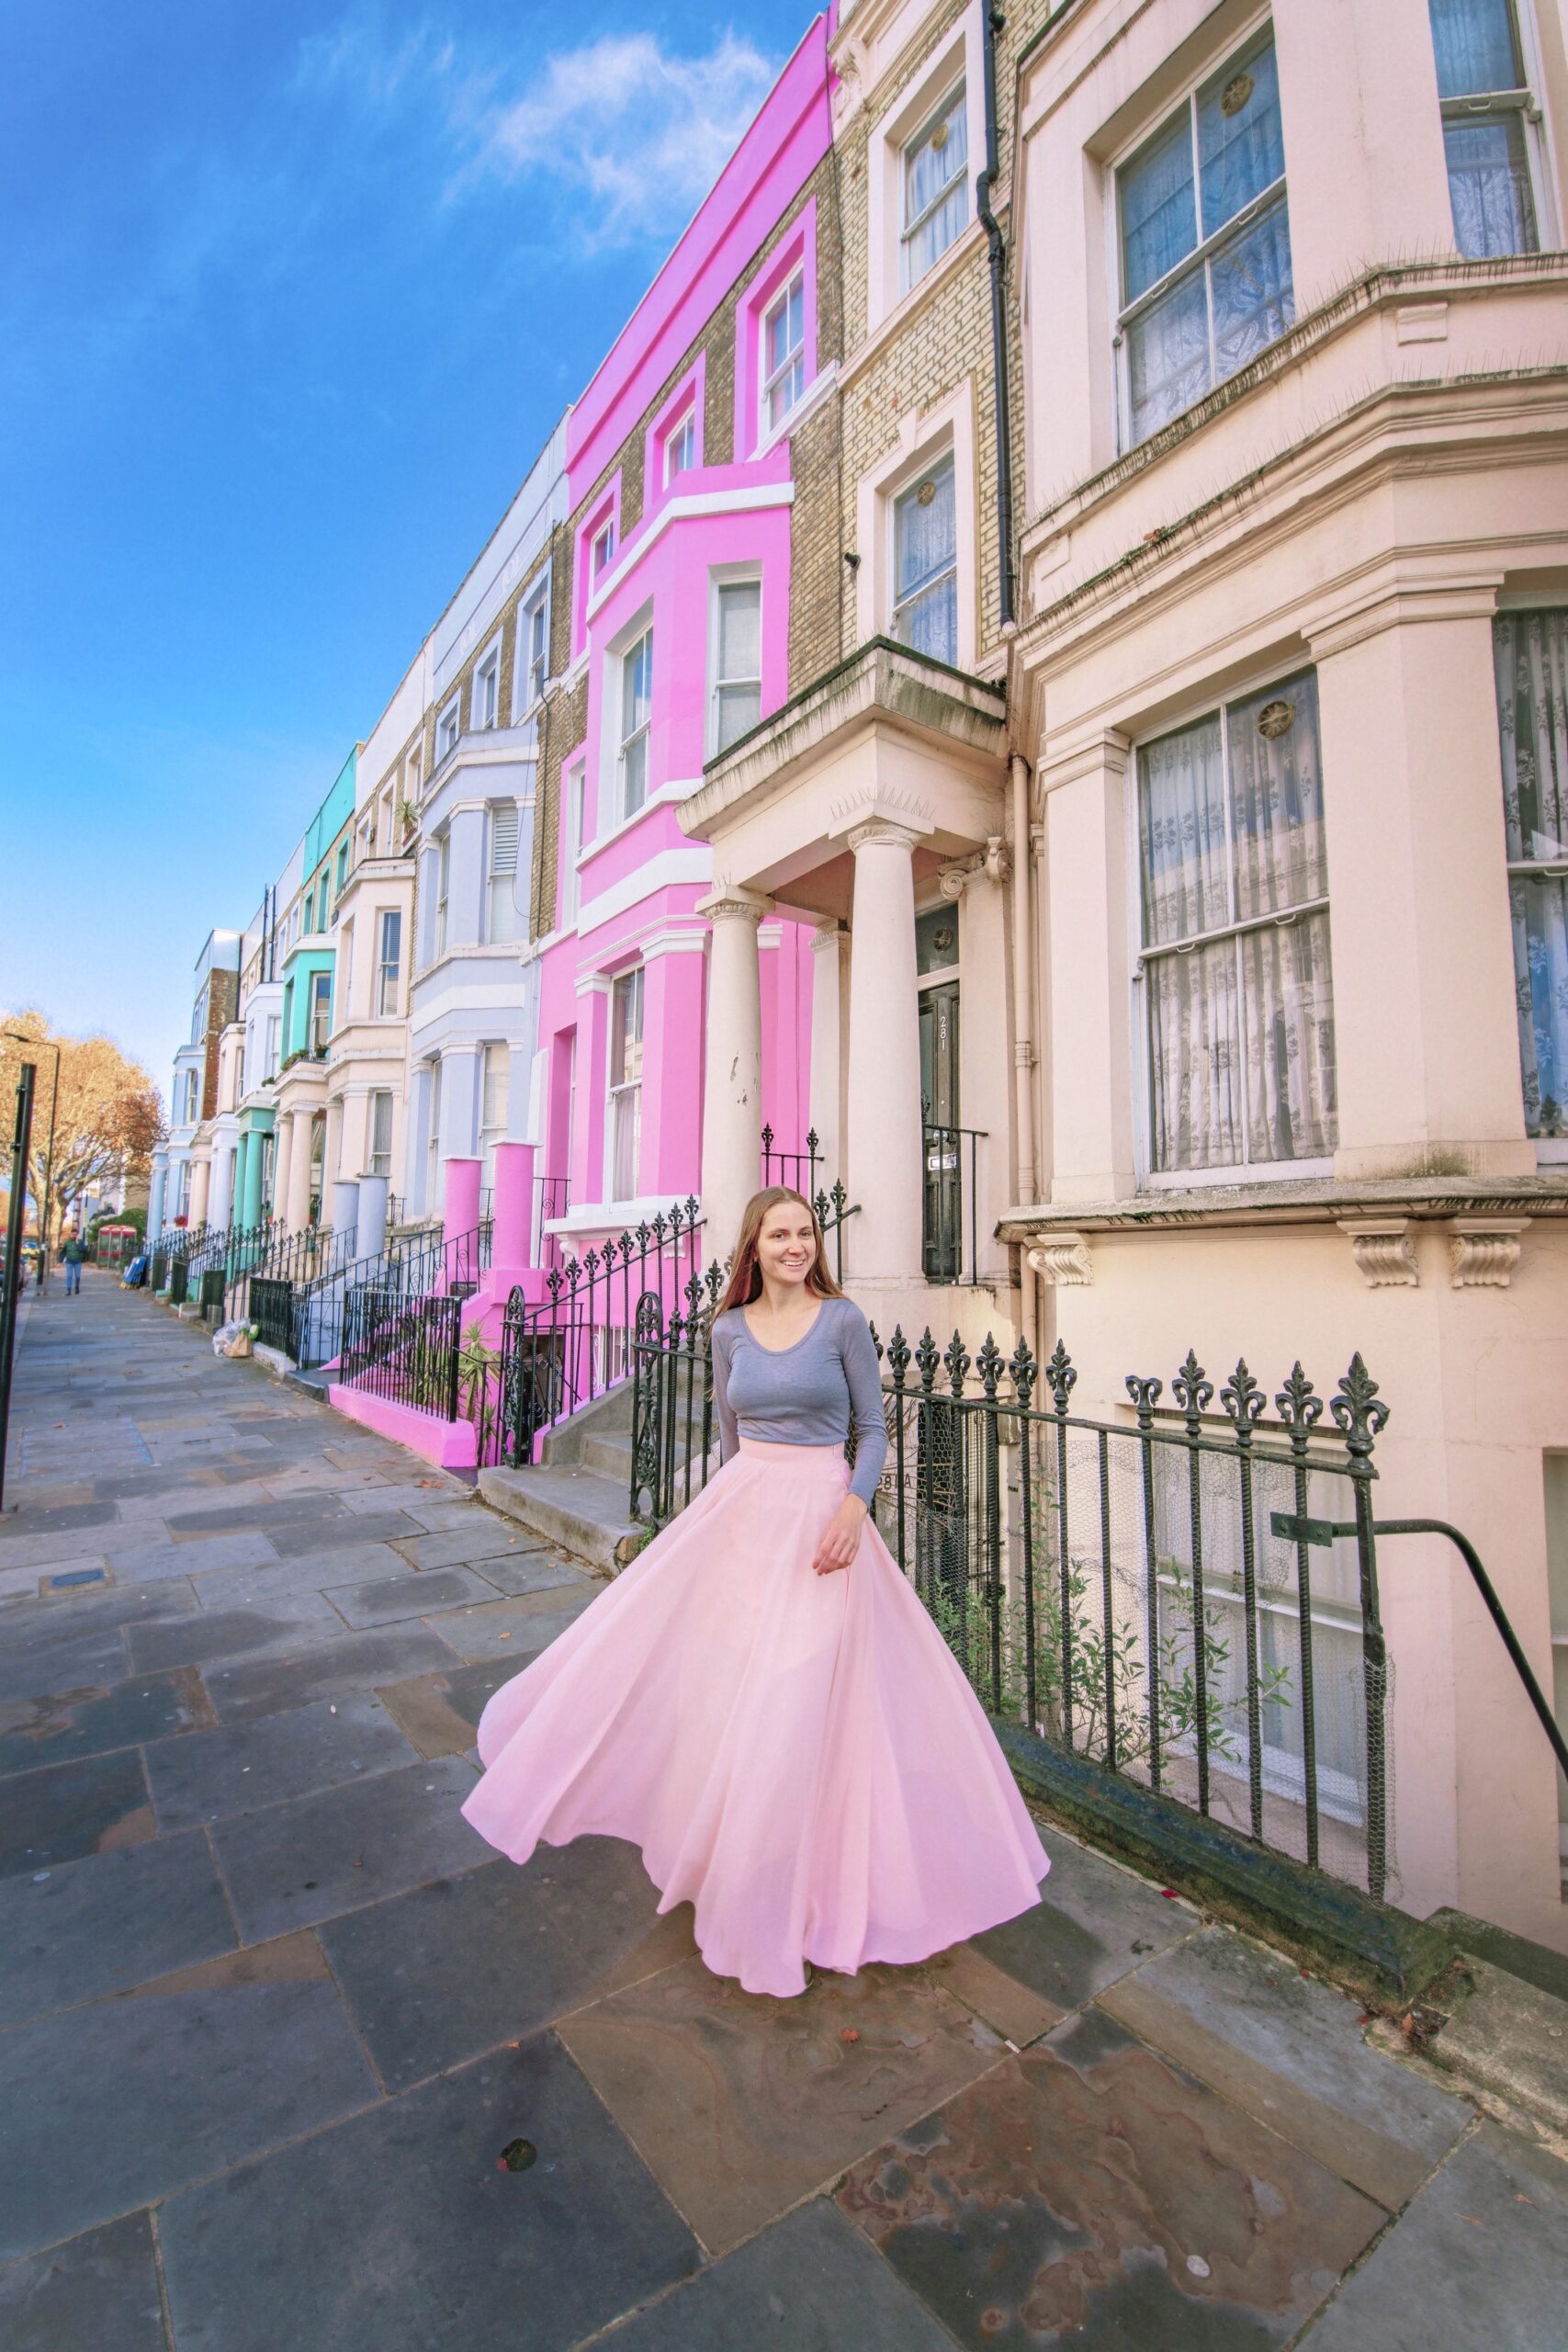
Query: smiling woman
pixel 761 1702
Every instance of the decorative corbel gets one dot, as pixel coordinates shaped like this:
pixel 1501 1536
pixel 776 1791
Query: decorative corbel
pixel 995 862
pixel 1484 1251
pixel 1385 1255
pixel 1063 1258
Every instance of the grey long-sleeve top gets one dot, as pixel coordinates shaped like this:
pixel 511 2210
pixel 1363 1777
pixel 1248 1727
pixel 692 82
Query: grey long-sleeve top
pixel 806 1395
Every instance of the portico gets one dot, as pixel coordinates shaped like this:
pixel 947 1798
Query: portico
pixel 878 789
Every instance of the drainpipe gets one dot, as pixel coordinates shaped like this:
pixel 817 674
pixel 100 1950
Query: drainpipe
pixel 992 22
pixel 1023 1044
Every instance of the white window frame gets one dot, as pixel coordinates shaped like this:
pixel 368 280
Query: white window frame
pixel 957 89
pixel 388 974
pixel 1233 58
pixel 495 875
pixel 320 1028
pixel 1149 1178
pixel 486 677
pixel 623 1098
pixel 767 423
pixel 936 459
pixel 374 1155
pixel 274 1044
pixel 491 1134
pixel 683 431
pixel 532 670
pixel 1525 102
pixel 448 728
pixel 413 779
pixel 576 811
pixel 722 577
pixel 433 1135
pixel 599 565
pixel 443 893
pixel 640 633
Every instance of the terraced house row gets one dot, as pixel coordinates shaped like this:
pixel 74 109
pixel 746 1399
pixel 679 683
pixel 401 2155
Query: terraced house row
pixel 1029 694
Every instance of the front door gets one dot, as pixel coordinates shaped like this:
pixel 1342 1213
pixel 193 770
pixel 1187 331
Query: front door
pixel 939 1087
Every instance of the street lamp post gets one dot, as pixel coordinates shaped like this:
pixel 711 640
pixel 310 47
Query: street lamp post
pixel 22 1038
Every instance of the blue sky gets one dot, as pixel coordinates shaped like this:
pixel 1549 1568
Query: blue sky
pixel 290 295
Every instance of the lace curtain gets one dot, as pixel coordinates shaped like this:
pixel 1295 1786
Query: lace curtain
pixel 1240 1028
pixel 1474 41
pixel 1531 656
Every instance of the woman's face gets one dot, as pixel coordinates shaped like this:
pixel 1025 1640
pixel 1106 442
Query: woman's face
pixel 787 1246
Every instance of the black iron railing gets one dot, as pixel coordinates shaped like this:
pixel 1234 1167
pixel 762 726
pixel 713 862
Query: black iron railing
pixel 796 1168
pixel 270 1303
pixel 950 1216
pixel 404 1352
pixel 1187 1595
pixel 555 1198
pixel 405 1270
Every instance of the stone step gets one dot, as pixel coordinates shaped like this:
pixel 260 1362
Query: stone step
pixel 579 1512
pixel 611 1453
pixel 1510 2038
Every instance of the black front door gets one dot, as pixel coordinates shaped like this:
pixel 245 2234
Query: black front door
pixel 938 1086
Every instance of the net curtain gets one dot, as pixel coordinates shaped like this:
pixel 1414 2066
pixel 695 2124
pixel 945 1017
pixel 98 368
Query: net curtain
pixel 1531 656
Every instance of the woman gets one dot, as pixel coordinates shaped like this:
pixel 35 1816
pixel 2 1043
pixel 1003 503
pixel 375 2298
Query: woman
pixel 761 1702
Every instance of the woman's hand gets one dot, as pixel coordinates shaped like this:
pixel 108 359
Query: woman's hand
pixel 840 1537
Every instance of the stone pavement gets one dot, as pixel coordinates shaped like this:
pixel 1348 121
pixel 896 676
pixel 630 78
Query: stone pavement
pixel 288 2058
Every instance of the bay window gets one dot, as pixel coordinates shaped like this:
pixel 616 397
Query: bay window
pixel 1205 243
pixel 936 188
pixel 380 1134
pixel 637 711
pixel 1487 105
pixel 625 1083
pixel 925 563
pixel 1233 972
pixel 1532 657
pixel 503 885
pixel 737 660
pixel 443 887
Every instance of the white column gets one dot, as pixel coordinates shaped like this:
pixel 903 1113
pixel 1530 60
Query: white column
pixel 219 1207
pixel 298 1192
pixel 829 947
pixel 885 1140
pixel 155 1197
pixel 283 1129
pixel 732 1071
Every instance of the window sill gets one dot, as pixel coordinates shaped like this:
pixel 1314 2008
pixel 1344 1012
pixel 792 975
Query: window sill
pixel 1321 1200
pixel 910 305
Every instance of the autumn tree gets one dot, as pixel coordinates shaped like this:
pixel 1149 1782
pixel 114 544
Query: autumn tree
pixel 107 1120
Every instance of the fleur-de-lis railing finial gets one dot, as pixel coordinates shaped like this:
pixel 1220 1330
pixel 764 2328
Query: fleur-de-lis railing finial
pixel 1193 1391
pixel 899 1355
pixel 1299 1407
pixel 927 1356
pixel 1060 1377
pixel 1242 1400
pixel 988 1364
pixel 957 1362
pixel 1145 1394
pixel 1022 1371
pixel 1359 1410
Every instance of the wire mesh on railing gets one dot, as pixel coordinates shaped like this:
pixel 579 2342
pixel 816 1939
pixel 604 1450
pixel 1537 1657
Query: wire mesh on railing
pixel 1172 1596
pixel 402 1351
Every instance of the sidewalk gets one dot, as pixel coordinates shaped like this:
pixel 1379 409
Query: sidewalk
pixel 288 2058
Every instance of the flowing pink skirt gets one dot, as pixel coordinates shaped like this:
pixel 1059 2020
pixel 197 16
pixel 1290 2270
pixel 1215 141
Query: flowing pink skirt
pixel 798 1757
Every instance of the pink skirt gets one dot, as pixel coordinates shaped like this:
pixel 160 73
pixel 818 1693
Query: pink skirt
pixel 798 1757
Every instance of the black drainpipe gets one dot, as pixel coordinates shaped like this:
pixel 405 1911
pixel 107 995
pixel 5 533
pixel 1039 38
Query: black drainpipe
pixel 992 22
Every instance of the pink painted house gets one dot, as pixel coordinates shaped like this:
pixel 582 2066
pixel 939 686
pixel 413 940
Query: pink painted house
pixel 682 484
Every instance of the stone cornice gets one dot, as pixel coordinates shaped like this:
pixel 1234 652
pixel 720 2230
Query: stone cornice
pixel 883 684
pixel 1326 1201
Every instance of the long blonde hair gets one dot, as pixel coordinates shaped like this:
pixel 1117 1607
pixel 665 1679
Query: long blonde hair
pixel 745 1282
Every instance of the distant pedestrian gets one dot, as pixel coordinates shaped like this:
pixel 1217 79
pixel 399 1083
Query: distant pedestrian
pixel 75 1256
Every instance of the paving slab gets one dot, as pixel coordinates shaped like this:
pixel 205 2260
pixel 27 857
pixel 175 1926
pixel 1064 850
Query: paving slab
pixel 517 1572
pixel 80 1929
pixel 401 2230
pixel 54 1617
pixel 331 1670
pixel 54 1520
pixel 54 1729
pixel 296 1863
pixel 437 1975
pixel 264 1587
pixel 388 1600
pixel 237 1519
pixel 1093 1922
pixel 95 1805
pixel 808 2284
pixel 521 1628
pixel 440 1712
pixel 239 1768
pixel 1478 2263
pixel 337 1534
pixel 26 1583
pixel 1513 2039
pixel 207 1635
pixel 22 1547
pixel 743 2105
pixel 486 1538
pixel 1291 2051
pixel 100 2289
pixel 116 2105
pixel 1087 2193
pixel 145 1559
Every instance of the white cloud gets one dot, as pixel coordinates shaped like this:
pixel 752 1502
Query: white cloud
pixel 645 133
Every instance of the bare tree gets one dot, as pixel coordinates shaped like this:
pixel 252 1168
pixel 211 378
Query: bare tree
pixel 107 1121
